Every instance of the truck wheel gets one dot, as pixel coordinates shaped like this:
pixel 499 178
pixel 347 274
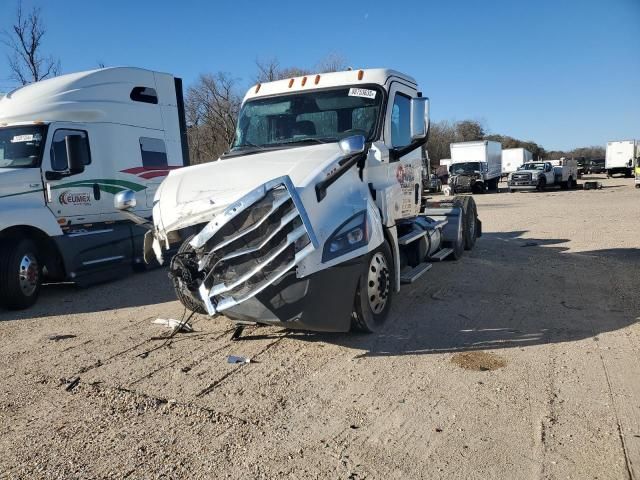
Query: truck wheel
pixel 375 291
pixel 542 184
pixel 179 271
pixel 20 274
pixel 570 183
pixel 469 222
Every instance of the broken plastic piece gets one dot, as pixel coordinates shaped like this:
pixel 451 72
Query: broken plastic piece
pixel 174 324
pixel 236 359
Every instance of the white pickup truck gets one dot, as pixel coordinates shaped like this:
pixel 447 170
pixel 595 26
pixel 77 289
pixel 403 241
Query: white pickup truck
pixel 67 146
pixel 315 217
pixel 540 175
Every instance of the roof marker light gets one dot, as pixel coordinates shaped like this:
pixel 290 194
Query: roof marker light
pixel 304 81
pixel 317 79
pixel 258 87
pixel 290 83
pixel 360 74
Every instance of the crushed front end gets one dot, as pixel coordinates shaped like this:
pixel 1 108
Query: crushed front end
pixel 245 248
pixel 464 183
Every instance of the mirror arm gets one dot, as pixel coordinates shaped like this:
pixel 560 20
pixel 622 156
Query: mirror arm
pixel 396 153
pixel 345 164
pixel 137 219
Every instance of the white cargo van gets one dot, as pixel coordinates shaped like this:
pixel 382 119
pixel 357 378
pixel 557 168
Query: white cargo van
pixel 475 166
pixel 620 157
pixel 67 146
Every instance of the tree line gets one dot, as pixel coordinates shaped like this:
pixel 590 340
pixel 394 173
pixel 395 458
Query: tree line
pixel 213 102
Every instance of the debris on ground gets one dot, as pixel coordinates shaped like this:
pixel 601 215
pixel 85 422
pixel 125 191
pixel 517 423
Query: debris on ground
pixel 478 360
pixel 56 338
pixel 593 185
pixel 174 324
pixel 237 359
pixel 72 383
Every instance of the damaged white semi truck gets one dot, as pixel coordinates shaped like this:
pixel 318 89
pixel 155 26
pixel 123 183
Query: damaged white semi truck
pixel 315 216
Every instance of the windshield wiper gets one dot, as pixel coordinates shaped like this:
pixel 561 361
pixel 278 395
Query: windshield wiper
pixel 306 140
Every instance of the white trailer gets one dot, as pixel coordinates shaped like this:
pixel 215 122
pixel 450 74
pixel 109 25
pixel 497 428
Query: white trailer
pixel 67 146
pixel 620 157
pixel 315 217
pixel 475 166
pixel 512 158
pixel 445 162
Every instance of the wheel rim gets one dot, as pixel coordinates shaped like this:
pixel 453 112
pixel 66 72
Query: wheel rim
pixel 28 274
pixel 378 283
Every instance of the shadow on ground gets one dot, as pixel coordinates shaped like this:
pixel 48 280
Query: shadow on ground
pixel 134 290
pixel 510 292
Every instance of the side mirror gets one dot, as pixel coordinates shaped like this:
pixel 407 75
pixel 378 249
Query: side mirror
pixel 352 145
pixel 125 200
pixel 76 153
pixel 419 118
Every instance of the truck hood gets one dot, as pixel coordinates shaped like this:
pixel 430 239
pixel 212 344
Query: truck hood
pixel 192 195
pixel 17 181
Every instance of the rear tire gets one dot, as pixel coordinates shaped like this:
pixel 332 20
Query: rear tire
pixel 20 273
pixel 469 222
pixel 570 183
pixel 374 293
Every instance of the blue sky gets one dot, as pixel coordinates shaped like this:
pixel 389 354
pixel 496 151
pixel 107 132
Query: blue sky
pixel 564 73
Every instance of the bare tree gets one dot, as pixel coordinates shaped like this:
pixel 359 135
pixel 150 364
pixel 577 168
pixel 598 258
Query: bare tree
pixel 24 40
pixel 270 70
pixel 333 62
pixel 211 108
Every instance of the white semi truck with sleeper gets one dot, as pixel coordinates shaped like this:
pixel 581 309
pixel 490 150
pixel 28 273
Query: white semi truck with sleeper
pixel 316 216
pixel 67 146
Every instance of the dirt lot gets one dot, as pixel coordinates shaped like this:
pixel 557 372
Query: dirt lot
pixel 522 360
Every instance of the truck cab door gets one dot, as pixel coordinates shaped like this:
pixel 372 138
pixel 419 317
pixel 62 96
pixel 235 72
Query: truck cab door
pixel 79 201
pixel 74 198
pixel 397 132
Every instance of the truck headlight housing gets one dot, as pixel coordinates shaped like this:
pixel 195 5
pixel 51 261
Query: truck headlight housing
pixel 351 235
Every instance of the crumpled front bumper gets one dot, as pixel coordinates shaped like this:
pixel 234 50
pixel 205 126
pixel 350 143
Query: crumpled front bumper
pixel 251 244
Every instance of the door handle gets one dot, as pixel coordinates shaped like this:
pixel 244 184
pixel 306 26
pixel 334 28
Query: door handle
pixel 96 191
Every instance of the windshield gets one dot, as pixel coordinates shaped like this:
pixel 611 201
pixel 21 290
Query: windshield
pixel 532 166
pixel 21 147
pixel 466 167
pixel 310 117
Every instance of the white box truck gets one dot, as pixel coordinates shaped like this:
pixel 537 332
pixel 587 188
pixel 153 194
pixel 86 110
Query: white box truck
pixel 475 166
pixel 315 217
pixel 620 157
pixel 67 146
pixel 513 158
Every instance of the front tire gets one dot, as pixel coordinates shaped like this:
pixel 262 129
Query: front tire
pixel 181 270
pixel 375 291
pixel 20 273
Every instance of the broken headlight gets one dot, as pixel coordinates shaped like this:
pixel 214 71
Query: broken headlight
pixel 351 235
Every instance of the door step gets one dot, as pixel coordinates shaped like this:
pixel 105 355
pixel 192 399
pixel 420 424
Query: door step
pixel 412 236
pixel 440 255
pixel 411 274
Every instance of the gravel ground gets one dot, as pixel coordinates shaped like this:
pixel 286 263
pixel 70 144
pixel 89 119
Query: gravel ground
pixel 522 360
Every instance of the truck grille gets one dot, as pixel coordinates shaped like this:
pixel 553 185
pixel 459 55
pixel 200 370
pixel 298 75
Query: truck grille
pixel 521 177
pixel 255 247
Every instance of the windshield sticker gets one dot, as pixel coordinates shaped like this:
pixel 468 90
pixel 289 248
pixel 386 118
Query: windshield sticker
pixel 362 92
pixel 26 138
